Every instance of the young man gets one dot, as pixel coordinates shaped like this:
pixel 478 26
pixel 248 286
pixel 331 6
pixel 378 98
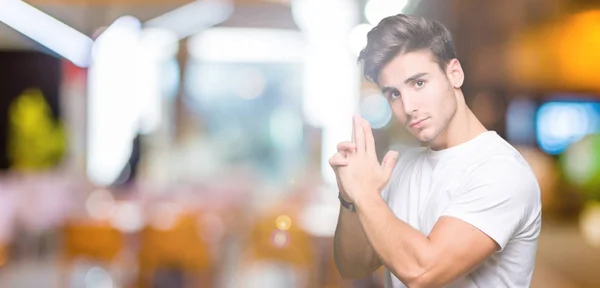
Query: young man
pixel 464 211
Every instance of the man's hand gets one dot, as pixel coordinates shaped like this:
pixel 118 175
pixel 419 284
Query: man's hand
pixel 361 173
pixel 354 255
pixel 340 159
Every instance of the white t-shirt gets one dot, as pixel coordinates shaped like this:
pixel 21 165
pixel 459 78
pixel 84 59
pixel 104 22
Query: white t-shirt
pixel 484 182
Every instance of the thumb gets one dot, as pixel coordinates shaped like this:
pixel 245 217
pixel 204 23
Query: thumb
pixel 389 161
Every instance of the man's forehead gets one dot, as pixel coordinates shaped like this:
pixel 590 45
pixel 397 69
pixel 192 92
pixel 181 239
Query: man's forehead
pixel 406 65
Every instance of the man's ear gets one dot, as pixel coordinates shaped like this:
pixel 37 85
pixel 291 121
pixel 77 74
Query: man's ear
pixel 455 73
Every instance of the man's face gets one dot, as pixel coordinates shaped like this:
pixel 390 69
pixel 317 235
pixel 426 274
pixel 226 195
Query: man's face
pixel 420 94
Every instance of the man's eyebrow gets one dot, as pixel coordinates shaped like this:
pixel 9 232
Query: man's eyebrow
pixel 414 77
pixel 410 79
pixel 386 90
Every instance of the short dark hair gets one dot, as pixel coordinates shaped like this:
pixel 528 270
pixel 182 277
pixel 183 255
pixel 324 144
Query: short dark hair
pixel 401 34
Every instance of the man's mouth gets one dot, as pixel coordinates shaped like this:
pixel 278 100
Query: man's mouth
pixel 418 122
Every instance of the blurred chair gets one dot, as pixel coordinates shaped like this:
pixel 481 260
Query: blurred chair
pixel 97 241
pixel 280 252
pixel 176 249
pixel 4 254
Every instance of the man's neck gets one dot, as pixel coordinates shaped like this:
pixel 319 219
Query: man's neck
pixel 463 127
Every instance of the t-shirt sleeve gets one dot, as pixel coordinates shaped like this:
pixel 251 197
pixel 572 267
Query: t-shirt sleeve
pixel 496 198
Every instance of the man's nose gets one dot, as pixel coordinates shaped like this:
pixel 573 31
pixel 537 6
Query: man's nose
pixel 409 104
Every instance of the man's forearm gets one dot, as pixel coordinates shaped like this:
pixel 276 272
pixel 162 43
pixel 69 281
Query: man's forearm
pixel 354 256
pixel 405 251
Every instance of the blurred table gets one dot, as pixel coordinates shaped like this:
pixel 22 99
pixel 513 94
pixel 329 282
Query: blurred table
pixel 564 259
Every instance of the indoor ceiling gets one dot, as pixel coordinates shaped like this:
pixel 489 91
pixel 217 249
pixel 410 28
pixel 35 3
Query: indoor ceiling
pixel 87 18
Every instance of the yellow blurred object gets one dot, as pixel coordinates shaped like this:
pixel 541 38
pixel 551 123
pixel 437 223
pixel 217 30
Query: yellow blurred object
pixel 35 141
pixel 578 46
pixel 3 255
pixel 589 223
pixel 293 246
pixel 92 240
pixel 283 222
pixel 563 55
pixel 96 240
pixel 179 246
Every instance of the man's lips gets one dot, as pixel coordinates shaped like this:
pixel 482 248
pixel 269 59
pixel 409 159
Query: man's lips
pixel 415 123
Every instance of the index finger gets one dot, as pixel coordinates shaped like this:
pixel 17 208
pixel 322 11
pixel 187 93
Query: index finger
pixel 353 130
pixel 359 135
pixel 369 138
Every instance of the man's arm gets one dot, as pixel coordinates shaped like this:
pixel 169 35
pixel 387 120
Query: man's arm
pixel 420 261
pixel 354 256
pixel 482 217
pixel 479 221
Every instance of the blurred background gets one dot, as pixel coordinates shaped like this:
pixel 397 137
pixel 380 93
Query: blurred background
pixel 185 144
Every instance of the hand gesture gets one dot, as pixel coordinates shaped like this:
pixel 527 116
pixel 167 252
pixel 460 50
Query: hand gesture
pixel 340 159
pixel 359 172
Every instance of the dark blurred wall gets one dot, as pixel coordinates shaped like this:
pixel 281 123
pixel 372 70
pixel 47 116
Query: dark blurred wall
pixel 481 31
pixel 21 70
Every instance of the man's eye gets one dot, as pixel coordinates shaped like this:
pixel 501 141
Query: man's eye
pixel 419 83
pixel 394 94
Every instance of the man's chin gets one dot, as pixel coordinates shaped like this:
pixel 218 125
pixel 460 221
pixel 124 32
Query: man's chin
pixel 423 136
pixel 426 139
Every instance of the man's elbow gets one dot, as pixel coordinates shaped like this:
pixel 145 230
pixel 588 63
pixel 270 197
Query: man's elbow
pixel 422 280
pixel 346 275
pixel 351 273
pixel 418 283
pixel 417 277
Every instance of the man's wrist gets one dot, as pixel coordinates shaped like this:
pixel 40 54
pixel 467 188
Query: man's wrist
pixel 345 203
pixel 367 200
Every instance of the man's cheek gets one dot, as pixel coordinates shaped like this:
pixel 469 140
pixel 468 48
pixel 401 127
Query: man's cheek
pixel 400 116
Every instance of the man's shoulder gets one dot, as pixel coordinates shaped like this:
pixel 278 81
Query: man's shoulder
pixel 502 165
pixel 500 156
pixel 505 177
